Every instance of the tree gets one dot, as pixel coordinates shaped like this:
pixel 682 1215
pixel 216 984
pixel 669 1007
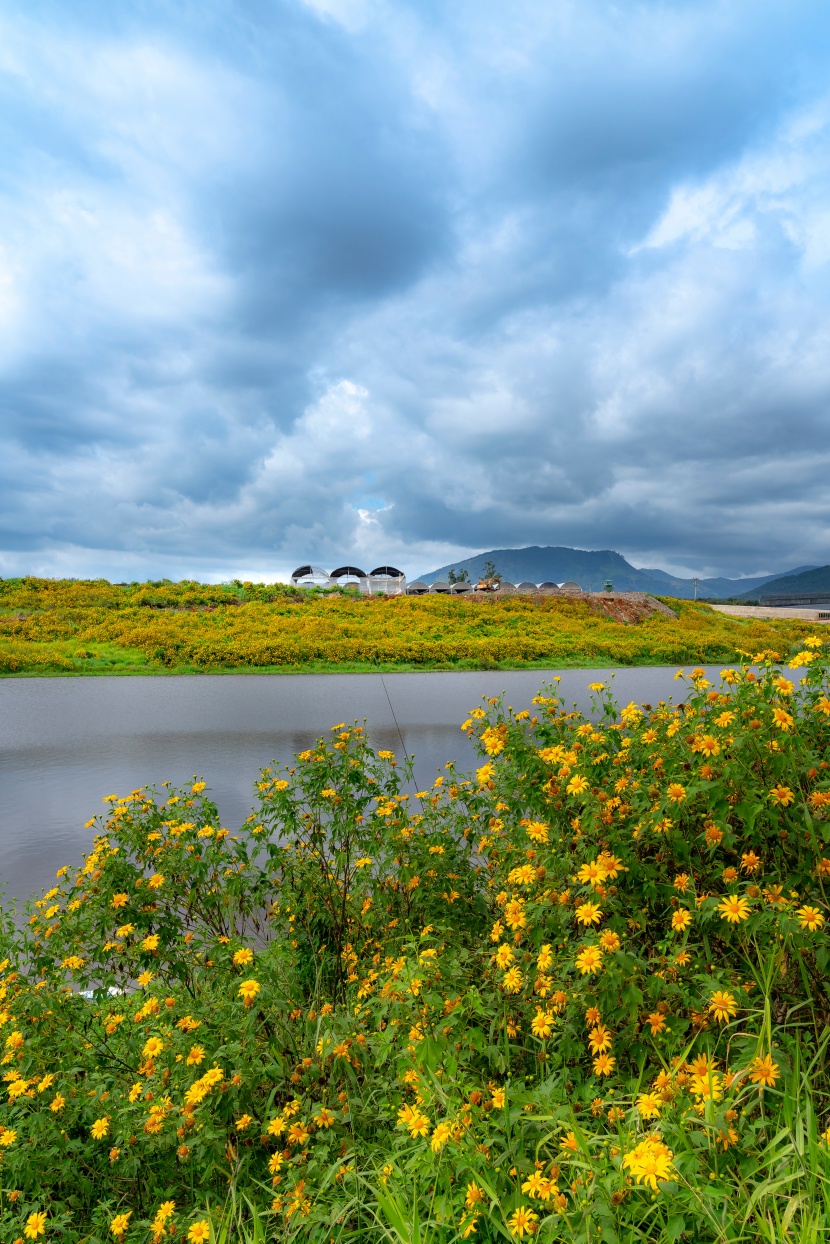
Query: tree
pixel 458 576
pixel 489 574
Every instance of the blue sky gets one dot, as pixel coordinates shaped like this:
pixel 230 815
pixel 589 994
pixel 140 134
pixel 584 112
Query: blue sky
pixel 349 280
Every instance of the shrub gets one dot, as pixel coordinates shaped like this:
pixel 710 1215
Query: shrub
pixel 581 994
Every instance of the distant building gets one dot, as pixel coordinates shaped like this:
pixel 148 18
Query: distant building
pixel 794 599
pixel 382 581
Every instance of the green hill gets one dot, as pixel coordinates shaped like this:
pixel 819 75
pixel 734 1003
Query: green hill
pixel 590 568
pixel 815 580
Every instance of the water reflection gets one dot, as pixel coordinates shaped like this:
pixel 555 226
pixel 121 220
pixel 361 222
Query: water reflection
pixel 65 743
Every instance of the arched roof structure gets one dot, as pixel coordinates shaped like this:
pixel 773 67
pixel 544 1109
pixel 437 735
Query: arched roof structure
pixel 526 587
pixel 441 587
pixel 303 572
pixel 343 572
pixel 548 587
pixel 570 586
pixel 504 586
pixel 389 572
pixel 417 588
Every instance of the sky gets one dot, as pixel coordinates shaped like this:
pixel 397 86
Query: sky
pixel 370 282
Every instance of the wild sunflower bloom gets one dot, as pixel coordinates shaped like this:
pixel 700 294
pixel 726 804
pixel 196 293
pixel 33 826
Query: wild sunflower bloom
pixel 763 1071
pixel 676 793
pixel 119 900
pixel 153 1047
pixel 649 1105
pixel 513 980
pixel 604 1064
pixel 243 957
pixel 781 796
pixel 199 1233
pixel 782 719
pixel 440 1135
pixel 248 991
pixel 681 920
pixel 505 955
pixel 589 960
pixel 120 1223
pixel 195 1056
pixel 593 873
pixel 750 862
pixel 151 942
pixel 722 1005
pixel 734 909
pixel 569 1142
pixel 522 1221
pixel 809 918
pixel 541 1025
pixel 599 1039
pixel 650 1163
pixel 588 913
pixel 35 1225
pixel 544 958
pixel 609 940
pixel 577 786
pixel 657 1022
pixel 100 1128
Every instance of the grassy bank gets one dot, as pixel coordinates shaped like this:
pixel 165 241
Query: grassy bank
pixel 580 995
pixel 52 627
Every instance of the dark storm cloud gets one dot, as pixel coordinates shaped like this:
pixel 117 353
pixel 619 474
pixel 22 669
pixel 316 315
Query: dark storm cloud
pixel 354 280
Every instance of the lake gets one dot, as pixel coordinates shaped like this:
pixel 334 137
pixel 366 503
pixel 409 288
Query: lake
pixel 67 742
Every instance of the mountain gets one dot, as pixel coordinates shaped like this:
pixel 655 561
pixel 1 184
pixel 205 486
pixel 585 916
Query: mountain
pixel 590 568
pixel 814 579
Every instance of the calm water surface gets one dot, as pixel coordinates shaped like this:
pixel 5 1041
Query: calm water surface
pixel 67 742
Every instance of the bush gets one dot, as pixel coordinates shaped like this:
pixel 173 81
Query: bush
pixel 582 994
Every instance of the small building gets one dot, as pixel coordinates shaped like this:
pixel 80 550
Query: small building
pixel 418 588
pixel 547 586
pixel 441 588
pixel 570 586
pixel 309 576
pixel 526 587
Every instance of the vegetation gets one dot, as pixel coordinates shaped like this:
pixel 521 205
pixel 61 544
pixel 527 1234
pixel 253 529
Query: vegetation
pixel 70 627
pixel 581 995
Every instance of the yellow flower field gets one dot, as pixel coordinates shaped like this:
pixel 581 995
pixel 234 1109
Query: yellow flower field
pixel 52 626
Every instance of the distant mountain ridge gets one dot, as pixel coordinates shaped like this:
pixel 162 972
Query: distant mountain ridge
pixel 591 567
pixel 816 579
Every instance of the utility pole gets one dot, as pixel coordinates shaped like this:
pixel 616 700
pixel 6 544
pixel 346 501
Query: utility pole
pixel 696 584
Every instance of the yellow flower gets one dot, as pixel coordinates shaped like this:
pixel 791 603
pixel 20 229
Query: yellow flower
pixel 57 1104
pixel 722 1005
pixel 35 1225
pixel 650 1162
pixel 649 1105
pixel 604 1064
pixel 681 920
pixel 248 990
pixel 440 1136
pixel 599 1039
pixel 609 941
pixel 144 979
pixel 782 795
pixel 577 786
pixel 513 980
pixel 153 1047
pixel 196 1056
pixel 156 881
pixel 544 958
pixel 163 1213
pixel 119 900
pixel 522 1221
pixel 243 957
pixel 734 909
pixel 100 1128
pixel 541 1025
pixel 120 1223
pixel 782 719
pixel 593 873
pixel 199 1233
pixel 810 918
pixel 504 956
pixel 589 960
pixel 676 793
pixel 763 1071
pixel 588 913
pixel 151 942
pixel 7 1137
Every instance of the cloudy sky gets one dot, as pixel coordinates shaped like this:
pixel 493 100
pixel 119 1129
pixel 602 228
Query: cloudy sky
pixel 394 280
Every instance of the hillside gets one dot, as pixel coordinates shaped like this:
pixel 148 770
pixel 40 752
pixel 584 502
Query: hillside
pixel 816 579
pixel 590 569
